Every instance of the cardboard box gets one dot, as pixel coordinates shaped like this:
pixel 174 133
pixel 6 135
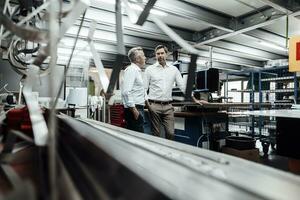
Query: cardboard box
pixel 251 154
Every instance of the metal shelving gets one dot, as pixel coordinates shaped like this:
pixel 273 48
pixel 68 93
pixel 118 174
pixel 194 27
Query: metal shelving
pixel 260 127
pixel 287 90
pixel 279 79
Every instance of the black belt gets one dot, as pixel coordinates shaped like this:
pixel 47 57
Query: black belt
pixel 139 106
pixel 160 102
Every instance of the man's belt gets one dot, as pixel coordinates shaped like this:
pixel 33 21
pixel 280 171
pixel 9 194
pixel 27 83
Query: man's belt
pixel 160 102
pixel 139 106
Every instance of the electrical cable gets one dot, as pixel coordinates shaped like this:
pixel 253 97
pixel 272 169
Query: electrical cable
pixel 205 124
pixel 199 139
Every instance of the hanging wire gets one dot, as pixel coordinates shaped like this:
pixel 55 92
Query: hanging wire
pixel 287 32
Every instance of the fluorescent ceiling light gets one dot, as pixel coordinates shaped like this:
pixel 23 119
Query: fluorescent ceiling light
pixel 75 59
pixel 228 69
pixel 77 53
pixel 188 60
pixel 64 51
pixel 137 7
pixel 93 70
pixel 73 30
pixel 157 12
pixel 69 42
pixel 274 46
pixel 113 2
pixel 83 53
pixel 202 62
pixel 99 34
pixel 152 11
pixel 185 59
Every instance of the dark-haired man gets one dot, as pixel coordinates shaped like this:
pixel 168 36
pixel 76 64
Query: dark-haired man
pixel 160 79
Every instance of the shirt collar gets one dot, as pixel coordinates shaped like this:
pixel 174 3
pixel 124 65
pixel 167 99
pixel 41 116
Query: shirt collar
pixel 136 66
pixel 158 65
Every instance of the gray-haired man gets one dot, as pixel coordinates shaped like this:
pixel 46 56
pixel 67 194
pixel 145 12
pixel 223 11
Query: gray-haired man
pixel 133 93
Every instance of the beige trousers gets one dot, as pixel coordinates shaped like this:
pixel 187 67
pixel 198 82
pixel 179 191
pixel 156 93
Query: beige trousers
pixel 162 115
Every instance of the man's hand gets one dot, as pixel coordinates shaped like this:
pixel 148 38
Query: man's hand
pixel 148 105
pixel 201 102
pixel 135 113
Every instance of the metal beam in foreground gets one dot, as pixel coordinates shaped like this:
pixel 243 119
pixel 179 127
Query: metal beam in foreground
pixel 117 161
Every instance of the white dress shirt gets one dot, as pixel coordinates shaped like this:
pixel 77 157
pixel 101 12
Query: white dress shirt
pixel 160 80
pixel 132 88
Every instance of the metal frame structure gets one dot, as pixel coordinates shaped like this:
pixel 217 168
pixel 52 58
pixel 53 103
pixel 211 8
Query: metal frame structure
pixel 226 53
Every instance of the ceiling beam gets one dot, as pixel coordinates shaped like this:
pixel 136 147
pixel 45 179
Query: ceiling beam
pixel 148 33
pixel 196 13
pixel 184 10
pixel 129 40
pixel 111 48
pixel 229 59
pixel 144 15
pixel 254 53
pixel 263 35
pixel 286 6
pixel 101 47
pixel 226 67
pixel 243 25
pixel 105 19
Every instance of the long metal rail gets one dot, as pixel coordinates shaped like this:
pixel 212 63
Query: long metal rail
pixel 172 170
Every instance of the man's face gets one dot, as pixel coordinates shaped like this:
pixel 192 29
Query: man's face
pixel 141 59
pixel 161 56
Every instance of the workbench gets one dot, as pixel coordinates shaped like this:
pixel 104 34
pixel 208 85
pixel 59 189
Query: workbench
pixel 198 127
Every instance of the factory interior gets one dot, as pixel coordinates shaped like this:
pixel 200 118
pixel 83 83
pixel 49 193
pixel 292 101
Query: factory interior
pixel 150 99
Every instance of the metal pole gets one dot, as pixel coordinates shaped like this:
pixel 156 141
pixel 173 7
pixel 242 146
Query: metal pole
pixel 104 110
pixel 205 79
pixel 252 101
pixel 53 36
pixel 226 89
pixel 242 93
pixel 210 56
pixel 260 101
pixel 295 88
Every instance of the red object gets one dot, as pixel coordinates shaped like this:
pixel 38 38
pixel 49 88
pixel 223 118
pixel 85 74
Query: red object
pixel 18 119
pixel 117 116
pixel 298 51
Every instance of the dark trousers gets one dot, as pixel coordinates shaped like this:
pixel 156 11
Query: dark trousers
pixel 133 124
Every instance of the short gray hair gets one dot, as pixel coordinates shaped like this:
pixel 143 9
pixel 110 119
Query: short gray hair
pixel 133 52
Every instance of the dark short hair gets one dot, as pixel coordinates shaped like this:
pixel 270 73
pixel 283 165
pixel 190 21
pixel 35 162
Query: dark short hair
pixel 161 47
pixel 133 52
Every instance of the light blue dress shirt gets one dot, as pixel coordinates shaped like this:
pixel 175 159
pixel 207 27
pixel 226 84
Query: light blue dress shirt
pixel 160 81
pixel 132 89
